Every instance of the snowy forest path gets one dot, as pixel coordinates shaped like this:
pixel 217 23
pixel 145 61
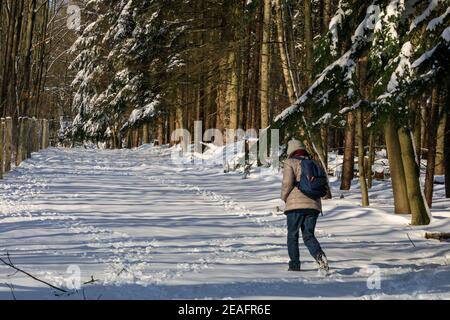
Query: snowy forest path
pixel 147 227
pixel 60 189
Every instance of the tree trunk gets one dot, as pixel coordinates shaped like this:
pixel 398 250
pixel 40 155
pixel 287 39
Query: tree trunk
pixel 397 170
pixel 26 76
pixel 361 158
pixel 244 82
pixel 254 119
pixel 349 151
pixel 326 18
pixel 417 130
pixel 19 142
pixel 447 146
pixel 425 122
pixel 2 130
pixel 161 130
pixel 324 149
pixel 5 62
pixel 208 106
pixel 417 202
pixel 221 95
pixel 440 159
pixel 265 52
pixel 179 114
pixel 431 155
pixel 309 49
pixel 371 160
pixel 233 90
pixel 8 143
pixel 283 52
pixel 363 85
pixel 291 50
pixel 145 134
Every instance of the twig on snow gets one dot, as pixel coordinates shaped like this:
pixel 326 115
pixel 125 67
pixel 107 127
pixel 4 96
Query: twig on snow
pixel 92 281
pixel 11 287
pixel 11 265
pixel 411 240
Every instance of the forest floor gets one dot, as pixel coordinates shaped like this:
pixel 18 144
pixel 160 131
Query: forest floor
pixel 145 227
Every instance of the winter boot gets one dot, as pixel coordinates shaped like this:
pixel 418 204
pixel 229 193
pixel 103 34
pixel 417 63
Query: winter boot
pixel 295 269
pixel 323 262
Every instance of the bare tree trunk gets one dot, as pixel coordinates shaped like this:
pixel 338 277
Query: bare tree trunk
pixel 417 201
pixel 371 160
pixel 26 89
pixel 208 105
pixel 8 59
pixel 254 119
pixel 265 52
pixel 349 152
pixel 2 130
pixel 283 52
pixel 8 143
pixel 18 151
pixel 362 75
pixel 291 50
pixel 324 149
pixel 361 158
pixel 417 131
pixel 161 130
pixel 309 49
pixel 440 159
pixel 326 15
pixel 233 89
pixel 244 82
pixel 425 122
pixel 431 155
pixel 221 95
pixel 401 203
pixel 179 115
pixel 447 142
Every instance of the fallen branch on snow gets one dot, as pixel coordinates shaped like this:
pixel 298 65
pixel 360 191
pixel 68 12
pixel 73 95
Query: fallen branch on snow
pixel 11 265
pixel 441 236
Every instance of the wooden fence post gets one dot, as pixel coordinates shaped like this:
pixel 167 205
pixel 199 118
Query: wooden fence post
pixel 8 143
pixel 29 137
pixel 2 127
pixel 26 138
pixel 36 134
pixel 37 139
pixel 19 146
pixel 135 138
pixel 145 134
pixel 31 133
pixel 41 136
pixel 129 139
pixel 45 134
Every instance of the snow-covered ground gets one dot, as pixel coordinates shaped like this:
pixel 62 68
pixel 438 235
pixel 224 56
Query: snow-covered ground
pixel 147 228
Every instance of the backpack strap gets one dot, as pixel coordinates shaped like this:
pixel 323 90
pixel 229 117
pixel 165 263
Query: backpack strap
pixel 300 159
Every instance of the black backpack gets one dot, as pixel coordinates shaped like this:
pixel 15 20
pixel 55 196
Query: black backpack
pixel 313 179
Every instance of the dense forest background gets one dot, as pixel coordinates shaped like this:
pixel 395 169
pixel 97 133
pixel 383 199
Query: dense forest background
pixel 349 75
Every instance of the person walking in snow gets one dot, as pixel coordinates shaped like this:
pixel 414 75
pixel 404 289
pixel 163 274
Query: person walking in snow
pixel 301 210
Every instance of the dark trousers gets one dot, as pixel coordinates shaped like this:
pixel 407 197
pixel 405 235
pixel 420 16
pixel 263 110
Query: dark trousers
pixel 305 220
